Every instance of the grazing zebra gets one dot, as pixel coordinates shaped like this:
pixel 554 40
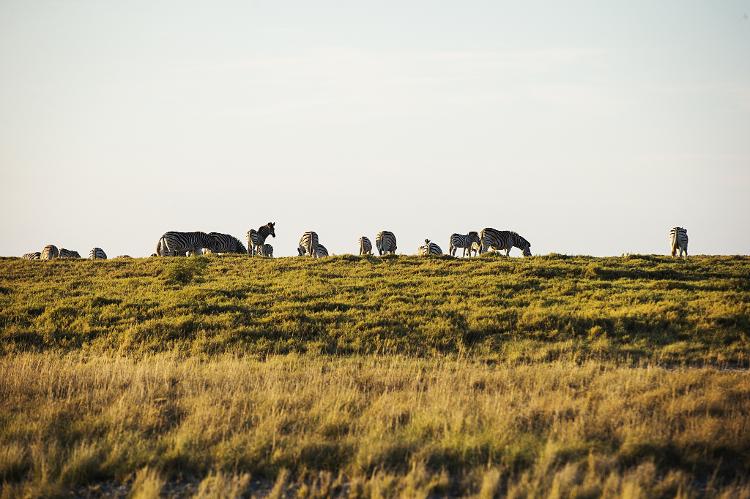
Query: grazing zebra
pixel 225 243
pixel 32 256
pixel 464 241
pixel 175 243
pixel 320 251
pixel 365 246
pixel 429 248
pixel 256 238
pixel 385 241
pixel 679 238
pixel 307 244
pixel 50 252
pixel 64 253
pixel 267 250
pixel 503 240
pixel 97 254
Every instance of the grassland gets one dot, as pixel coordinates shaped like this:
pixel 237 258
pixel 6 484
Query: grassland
pixel 228 376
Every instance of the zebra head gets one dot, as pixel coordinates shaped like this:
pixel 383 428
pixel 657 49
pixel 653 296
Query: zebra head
pixel 301 251
pixel 271 230
pixel 525 247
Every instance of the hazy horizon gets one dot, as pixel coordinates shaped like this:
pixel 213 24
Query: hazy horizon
pixel 587 128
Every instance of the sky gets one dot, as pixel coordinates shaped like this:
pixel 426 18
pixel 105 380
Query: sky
pixel 589 127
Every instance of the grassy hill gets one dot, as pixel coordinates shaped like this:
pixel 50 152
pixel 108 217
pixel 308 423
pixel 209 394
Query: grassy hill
pixel 640 307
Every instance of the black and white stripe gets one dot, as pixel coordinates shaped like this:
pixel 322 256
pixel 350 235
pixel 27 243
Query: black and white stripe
pixel 320 251
pixel 32 256
pixel 97 254
pixel 225 243
pixel 679 239
pixel 503 240
pixel 463 241
pixel 65 253
pixel 307 244
pixel 365 246
pixel 50 252
pixel 175 243
pixel 385 241
pixel 267 251
pixel 429 248
pixel 256 238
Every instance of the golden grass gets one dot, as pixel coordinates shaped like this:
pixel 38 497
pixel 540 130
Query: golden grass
pixel 370 426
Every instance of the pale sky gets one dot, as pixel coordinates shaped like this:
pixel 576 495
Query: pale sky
pixel 588 127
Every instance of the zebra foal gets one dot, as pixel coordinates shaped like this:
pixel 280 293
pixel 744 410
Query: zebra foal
pixel 464 241
pixel 679 238
pixel 385 241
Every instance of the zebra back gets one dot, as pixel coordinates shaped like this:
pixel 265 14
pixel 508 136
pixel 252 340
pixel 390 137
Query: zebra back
pixel 464 241
pixel 386 242
pixel 97 254
pixel 32 256
pixel 267 251
pixel 320 251
pixel 679 239
pixel 429 248
pixel 49 252
pixel 174 243
pixel 365 246
pixel 308 243
pixel 65 253
pixel 225 243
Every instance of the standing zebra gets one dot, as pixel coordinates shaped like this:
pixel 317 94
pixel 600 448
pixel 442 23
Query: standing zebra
pixel 50 252
pixel 385 241
pixel 256 238
pixel 503 240
pixel 225 243
pixel 175 243
pixel 308 243
pixel 365 246
pixel 97 254
pixel 32 256
pixel 64 253
pixel 429 248
pixel 464 241
pixel 267 251
pixel 679 239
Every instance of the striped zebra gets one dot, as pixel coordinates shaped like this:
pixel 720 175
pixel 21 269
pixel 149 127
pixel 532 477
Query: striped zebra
pixel 65 253
pixel 32 256
pixel 225 243
pixel 365 246
pixel 175 243
pixel 503 240
pixel 256 238
pixel 307 244
pixel 679 238
pixel 267 250
pixel 320 251
pixel 475 247
pixel 97 254
pixel 464 241
pixel 50 252
pixel 385 241
pixel 429 248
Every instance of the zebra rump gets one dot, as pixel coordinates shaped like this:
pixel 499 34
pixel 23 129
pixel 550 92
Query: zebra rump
pixel 365 246
pixel 65 253
pixel 503 240
pixel 32 256
pixel 679 238
pixel 307 244
pixel 97 254
pixel 464 241
pixel 385 241
pixel 267 250
pixel 429 248
pixel 256 238
pixel 225 243
pixel 50 252
pixel 175 243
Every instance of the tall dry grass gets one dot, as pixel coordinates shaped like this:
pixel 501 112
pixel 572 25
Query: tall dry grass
pixel 370 426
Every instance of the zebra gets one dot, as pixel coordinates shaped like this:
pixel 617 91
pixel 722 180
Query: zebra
pixel 307 244
pixel 385 241
pixel 267 250
pixel 225 243
pixel 65 253
pixel 175 243
pixel 503 239
pixel 32 256
pixel 429 248
pixel 679 239
pixel 256 238
pixel 464 241
pixel 97 254
pixel 475 247
pixel 50 252
pixel 320 251
pixel 365 246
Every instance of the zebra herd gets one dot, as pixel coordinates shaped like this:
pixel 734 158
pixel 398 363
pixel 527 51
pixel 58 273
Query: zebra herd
pixel 174 243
